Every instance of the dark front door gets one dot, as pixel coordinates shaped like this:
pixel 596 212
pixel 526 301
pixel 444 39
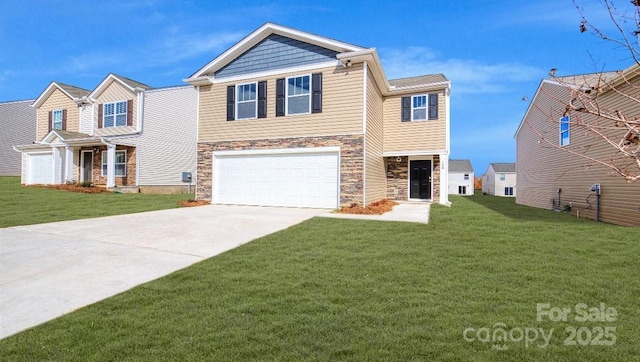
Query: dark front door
pixel 420 179
pixel 87 166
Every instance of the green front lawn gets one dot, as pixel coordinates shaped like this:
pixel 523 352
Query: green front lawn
pixel 20 205
pixel 336 289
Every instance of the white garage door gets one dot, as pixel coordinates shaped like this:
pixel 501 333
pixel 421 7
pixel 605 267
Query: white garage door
pixel 40 168
pixel 287 179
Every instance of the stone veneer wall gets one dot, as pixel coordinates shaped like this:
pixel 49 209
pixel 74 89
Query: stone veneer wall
pixel 398 178
pixel 98 179
pixel 351 161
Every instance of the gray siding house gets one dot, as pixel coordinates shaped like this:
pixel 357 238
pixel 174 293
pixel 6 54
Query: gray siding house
pixel 18 121
pixel 461 177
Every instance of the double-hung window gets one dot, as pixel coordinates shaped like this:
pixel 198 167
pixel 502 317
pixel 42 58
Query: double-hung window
pixel 419 107
pixel 246 101
pixel 564 131
pixel 115 114
pixel 56 119
pixel 299 95
pixel 503 177
pixel 120 161
pixel 466 176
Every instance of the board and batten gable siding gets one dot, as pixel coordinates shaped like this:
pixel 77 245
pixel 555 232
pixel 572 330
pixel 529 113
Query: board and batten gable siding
pixel 276 52
pixel 58 100
pixel 543 169
pixel 86 119
pixel 167 146
pixel 18 122
pixel 342 94
pixel 115 92
pixel 413 136
pixel 375 172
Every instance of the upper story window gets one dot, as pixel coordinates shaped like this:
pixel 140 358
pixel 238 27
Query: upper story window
pixel 247 101
pixel 115 114
pixel 419 107
pixel 299 95
pixel 564 131
pixel 56 119
pixel 503 177
pixel 466 176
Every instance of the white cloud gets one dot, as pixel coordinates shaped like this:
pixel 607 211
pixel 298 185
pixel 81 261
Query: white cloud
pixel 466 75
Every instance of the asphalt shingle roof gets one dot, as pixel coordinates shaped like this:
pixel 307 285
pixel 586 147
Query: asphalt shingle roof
pixel 504 167
pixel 75 92
pixel 460 166
pixel 132 83
pixel 417 81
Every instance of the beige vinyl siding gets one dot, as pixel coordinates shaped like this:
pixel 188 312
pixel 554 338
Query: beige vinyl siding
pixel 341 110
pixel 413 136
pixel 115 92
pixel 543 169
pixel 376 178
pixel 58 100
pixel 167 146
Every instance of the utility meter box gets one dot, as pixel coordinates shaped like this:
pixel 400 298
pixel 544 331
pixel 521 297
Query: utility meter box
pixel 186 177
pixel 595 188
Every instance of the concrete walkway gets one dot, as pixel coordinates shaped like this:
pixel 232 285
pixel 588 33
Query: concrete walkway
pixel 404 211
pixel 48 270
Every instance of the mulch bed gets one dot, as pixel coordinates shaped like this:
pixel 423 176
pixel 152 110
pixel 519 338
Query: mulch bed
pixel 74 188
pixel 374 208
pixel 190 203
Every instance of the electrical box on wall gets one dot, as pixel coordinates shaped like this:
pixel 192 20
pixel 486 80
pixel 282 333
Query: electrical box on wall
pixel 186 177
pixel 595 188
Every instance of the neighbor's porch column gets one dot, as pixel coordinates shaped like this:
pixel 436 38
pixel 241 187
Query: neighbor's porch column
pixel 111 165
pixel 57 166
pixel 444 179
pixel 68 164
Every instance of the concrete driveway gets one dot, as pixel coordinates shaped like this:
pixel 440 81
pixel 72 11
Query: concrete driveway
pixel 48 270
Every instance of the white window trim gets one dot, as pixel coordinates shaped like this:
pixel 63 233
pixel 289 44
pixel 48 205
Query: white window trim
pixel 426 108
pixel 286 94
pixel 102 163
pixel 561 132
pixel 53 117
pixel 115 107
pixel 255 101
pixel 503 177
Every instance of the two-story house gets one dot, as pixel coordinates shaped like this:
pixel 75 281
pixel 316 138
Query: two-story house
pixel 288 118
pixel 461 177
pixel 123 134
pixel 556 147
pixel 500 180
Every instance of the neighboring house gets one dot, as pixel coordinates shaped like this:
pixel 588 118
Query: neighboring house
pixel 461 177
pixel 500 180
pixel 550 177
pixel 289 118
pixel 18 122
pixel 122 134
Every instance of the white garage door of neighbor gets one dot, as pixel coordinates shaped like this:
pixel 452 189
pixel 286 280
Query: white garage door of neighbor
pixel 40 168
pixel 295 180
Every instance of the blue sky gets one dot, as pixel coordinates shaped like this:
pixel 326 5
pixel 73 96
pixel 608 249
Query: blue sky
pixel 494 52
